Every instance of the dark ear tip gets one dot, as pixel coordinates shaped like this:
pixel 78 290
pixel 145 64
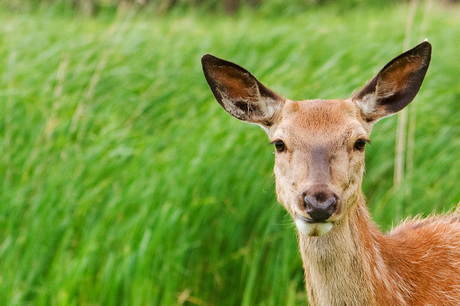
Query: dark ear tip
pixel 206 57
pixel 209 59
pixel 424 48
pixel 425 44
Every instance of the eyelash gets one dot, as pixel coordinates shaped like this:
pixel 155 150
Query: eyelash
pixel 360 144
pixel 279 145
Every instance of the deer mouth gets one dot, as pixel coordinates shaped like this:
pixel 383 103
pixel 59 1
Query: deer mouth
pixel 309 227
pixel 308 220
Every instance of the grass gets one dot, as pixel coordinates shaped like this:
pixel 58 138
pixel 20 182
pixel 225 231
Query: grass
pixel 124 182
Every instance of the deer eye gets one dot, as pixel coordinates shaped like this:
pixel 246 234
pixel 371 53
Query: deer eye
pixel 279 145
pixel 360 144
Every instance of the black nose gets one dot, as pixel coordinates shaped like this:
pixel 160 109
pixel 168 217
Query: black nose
pixel 320 207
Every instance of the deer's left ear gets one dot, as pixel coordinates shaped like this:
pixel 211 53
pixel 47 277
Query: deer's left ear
pixel 396 85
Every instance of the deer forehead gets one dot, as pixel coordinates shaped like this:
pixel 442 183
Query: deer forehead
pixel 310 123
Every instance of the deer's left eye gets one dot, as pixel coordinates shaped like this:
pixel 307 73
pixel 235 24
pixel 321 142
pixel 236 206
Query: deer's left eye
pixel 279 146
pixel 360 144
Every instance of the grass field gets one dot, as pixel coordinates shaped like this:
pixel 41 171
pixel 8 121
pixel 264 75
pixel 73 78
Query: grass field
pixel 124 183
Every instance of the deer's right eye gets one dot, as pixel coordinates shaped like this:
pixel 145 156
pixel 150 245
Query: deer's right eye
pixel 279 146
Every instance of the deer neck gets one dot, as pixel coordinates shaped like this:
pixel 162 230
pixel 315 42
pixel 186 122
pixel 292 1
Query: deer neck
pixel 345 266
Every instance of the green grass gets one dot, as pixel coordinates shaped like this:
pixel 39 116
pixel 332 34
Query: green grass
pixel 124 182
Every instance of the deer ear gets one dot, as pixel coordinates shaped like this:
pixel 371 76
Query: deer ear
pixel 396 85
pixel 240 93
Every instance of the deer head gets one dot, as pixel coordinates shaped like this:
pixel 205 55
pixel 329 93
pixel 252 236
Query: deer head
pixel 319 144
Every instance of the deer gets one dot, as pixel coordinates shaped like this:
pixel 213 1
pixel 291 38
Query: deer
pixel 319 148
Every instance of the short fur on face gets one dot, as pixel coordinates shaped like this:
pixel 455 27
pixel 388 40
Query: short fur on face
pixel 314 158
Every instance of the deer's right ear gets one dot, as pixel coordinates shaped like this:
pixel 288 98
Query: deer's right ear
pixel 240 93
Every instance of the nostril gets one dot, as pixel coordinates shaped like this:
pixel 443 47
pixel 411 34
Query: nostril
pixel 308 202
pixel 331 203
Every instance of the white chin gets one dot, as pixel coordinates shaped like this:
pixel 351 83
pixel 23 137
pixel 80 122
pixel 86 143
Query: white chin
pixel 313 229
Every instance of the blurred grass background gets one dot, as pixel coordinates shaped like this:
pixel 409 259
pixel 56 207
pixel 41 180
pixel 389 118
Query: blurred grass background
pixel 124 182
